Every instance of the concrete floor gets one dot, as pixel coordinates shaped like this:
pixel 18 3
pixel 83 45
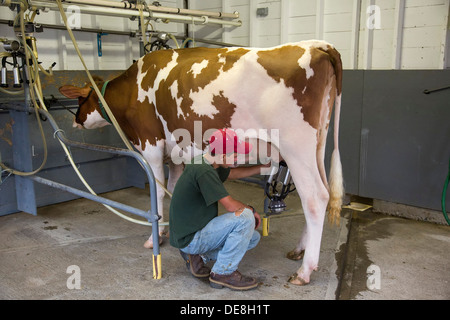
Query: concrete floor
pixel 411 258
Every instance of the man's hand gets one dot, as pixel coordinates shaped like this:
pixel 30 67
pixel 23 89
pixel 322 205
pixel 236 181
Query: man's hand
pixel 256 215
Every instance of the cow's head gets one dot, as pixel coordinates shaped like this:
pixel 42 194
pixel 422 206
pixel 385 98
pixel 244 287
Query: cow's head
pixel 88 115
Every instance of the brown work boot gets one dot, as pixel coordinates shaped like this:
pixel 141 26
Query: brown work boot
pixel 195 265
pixel 235 281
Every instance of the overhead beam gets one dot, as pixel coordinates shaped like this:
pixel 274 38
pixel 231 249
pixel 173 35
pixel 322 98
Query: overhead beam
pixel 129 13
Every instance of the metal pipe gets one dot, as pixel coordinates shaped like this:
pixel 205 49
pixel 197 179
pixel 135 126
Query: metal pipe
pixel 91 30
pixel 128 13
pixel 87 195
pixel 127 5
pixel 191 19
pixel 125 33
pixel 426 91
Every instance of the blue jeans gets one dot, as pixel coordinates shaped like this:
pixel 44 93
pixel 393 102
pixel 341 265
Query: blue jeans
pixel 225 239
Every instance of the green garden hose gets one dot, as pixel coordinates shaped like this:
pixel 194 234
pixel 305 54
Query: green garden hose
pixel 444 193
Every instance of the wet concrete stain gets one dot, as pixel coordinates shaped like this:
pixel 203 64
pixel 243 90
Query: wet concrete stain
pixel 91 212
pixel 353 258
pixel 50 228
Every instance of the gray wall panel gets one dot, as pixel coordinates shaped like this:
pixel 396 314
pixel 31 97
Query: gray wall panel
pixel 405 146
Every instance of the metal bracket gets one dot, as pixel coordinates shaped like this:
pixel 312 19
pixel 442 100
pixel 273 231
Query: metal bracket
pixel 99 42
pixel 426 91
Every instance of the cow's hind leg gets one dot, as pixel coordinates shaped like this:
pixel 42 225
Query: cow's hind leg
pixel 314 197
pixel 299 252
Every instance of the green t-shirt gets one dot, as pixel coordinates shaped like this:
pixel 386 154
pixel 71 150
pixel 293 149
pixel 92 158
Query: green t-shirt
pixel 195 200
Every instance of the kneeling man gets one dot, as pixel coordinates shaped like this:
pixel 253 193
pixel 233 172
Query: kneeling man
pixel 195 226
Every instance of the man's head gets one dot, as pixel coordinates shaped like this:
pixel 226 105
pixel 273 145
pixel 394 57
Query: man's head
pixel 225 146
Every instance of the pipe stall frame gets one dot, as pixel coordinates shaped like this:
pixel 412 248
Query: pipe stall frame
pixel 87 195
pixel 151 215
pixel 128 5
pixel 129 13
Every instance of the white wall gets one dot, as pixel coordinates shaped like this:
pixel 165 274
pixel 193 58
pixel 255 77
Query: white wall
pixel 412 34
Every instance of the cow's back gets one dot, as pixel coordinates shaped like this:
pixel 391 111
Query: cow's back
pixel 237 87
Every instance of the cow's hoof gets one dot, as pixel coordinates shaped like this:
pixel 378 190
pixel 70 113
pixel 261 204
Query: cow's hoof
pixel 294 279
pixel 295 255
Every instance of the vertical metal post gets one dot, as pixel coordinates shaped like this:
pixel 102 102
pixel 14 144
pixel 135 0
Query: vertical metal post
pixel 265 219
pixel 157 271
pixel 22 157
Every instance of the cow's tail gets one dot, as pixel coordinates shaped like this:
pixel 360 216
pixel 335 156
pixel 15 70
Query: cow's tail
pixel 336 182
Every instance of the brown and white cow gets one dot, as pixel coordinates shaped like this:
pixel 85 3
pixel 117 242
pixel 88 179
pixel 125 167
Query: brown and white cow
pixel 291 88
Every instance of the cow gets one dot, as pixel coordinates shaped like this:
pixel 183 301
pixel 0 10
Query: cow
pixel 291 88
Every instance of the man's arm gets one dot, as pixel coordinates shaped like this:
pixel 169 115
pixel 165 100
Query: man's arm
pixel 243 172
pixel 233 205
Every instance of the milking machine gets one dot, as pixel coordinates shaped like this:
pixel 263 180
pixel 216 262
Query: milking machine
pixel 13 50
pixel 278 185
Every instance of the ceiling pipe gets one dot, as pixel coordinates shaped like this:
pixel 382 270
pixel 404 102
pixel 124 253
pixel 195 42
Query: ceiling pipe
pixel 129 13
pixel 127 5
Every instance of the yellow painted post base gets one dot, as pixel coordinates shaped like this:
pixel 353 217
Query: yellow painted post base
pixel 265 227
pixel 157 274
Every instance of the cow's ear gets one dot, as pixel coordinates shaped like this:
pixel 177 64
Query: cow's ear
pixel 73 92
